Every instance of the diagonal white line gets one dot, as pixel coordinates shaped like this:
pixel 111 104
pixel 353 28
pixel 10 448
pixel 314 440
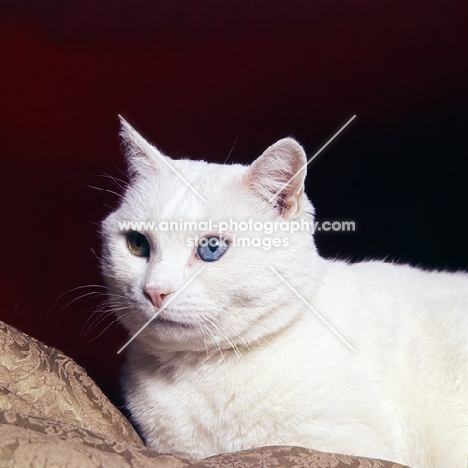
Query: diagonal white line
pixel 161 309
pixel 313 310
pixel 180 176
pixel 186 182
pixel 312 158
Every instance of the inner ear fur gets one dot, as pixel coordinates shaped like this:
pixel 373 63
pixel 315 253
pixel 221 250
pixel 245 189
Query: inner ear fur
pixel 277 176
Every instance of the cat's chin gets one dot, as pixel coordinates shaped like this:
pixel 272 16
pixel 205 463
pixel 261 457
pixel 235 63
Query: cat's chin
pixel 164 322
pixel 170 333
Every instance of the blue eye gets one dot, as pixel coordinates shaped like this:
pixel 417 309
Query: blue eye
pixel 212 248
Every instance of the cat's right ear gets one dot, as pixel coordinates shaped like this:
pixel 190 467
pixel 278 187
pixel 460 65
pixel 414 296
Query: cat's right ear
pixel 277 177
pixel 142 157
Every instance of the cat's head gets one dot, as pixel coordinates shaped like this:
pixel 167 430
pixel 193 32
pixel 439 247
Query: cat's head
pixel 210 290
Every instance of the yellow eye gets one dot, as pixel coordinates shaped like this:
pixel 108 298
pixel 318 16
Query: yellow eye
pixel 138 244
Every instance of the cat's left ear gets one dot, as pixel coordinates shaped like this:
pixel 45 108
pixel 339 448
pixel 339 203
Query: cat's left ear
pixel 277 176
pixel 141 156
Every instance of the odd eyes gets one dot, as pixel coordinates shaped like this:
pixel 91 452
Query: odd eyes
pixel 138 244
pixel 212 248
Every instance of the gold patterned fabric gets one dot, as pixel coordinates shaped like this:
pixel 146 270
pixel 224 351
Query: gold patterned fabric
pixel 40 381
pixel 53 415
pixel 292 457
pixel 31 442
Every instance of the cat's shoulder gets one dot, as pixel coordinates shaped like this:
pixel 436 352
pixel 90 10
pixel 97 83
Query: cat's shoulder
pixel 397 282
pixel 378 269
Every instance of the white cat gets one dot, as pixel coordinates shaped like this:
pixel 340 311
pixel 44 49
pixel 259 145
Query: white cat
pixel 277 346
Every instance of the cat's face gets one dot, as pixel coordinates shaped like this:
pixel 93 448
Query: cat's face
pixel 211 290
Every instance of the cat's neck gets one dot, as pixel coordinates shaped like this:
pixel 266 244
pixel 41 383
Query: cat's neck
pixel 151 356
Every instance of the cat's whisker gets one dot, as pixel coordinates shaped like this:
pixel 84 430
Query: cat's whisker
pixel 76 289
pixel 94 253
pixel 100 311
pixel 119 183
pixel 104 307
pixel 121 171
pixel 100 314
pixel 70 291
pixel 93 294
pixel 103 190
pixel 113 295
pixel 93 321
pixel 204 328
pixel 214 338
pixel 226 337
pixel 115 324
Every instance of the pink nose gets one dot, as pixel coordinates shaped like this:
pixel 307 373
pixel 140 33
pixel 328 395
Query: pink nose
pixel 157 295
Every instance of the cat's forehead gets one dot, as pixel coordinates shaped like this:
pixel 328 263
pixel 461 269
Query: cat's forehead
pixel 187 189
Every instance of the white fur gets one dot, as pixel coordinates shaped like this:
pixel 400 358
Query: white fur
pixel 256 366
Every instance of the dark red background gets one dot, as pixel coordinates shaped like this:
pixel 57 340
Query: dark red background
pixel 190 76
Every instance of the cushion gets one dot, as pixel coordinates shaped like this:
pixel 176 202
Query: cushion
pixel 40 381
pixel 31 442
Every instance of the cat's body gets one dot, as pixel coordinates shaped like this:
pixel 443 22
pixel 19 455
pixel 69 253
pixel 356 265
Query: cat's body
pixel 279 346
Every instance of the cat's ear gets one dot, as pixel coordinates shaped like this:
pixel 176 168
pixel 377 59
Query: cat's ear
pixel 141 156
pixel 277 176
